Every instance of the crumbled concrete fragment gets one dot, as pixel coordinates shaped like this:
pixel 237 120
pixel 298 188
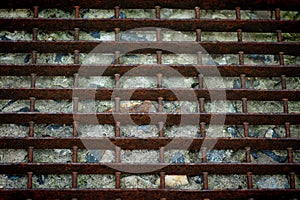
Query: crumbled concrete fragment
pixel 174 181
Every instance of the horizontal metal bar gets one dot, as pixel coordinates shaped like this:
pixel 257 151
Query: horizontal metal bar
pixel 151 118
pixel 147 194
pixel 45 24
pixel 147 168
pixel 289 48
pixel 174 94
pixel 150 143
pixel 185 70
pixel 190 4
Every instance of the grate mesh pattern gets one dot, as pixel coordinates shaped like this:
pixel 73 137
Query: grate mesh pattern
pixel 284 70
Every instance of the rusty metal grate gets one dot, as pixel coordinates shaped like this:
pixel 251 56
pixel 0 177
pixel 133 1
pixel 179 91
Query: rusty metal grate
pixel 201 118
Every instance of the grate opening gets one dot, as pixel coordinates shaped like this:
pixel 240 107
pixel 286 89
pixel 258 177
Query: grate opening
pixel 115 100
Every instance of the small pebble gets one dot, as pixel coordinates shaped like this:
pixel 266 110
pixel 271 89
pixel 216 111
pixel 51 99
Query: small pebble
pixel 95 34
pixel 233 131
pixel 233 108
pixel 237 83
pixel 94 156
pixel 176 180
pixel 145 128
pixel 212 62
pixel 178 158
pixel 132 37
pixel 194 85
pixel 54 127
pixel 27 58
pixel 254 154
pixel 12 177
pixel 59 56
pixel 3 37
pixel 255 135
pixel 270 133
pixel 41 179
pixel 197 179
pixel 216 156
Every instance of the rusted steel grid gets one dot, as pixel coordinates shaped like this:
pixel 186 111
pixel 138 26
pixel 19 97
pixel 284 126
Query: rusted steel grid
pixel 289 48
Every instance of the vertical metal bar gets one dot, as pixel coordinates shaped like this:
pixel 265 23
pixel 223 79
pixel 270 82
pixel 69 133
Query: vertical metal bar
pixel 202 129
pixel 160 129
pixel 246 129
pixel 75 104
pixel 117 57
pixel 157 12
pixel 118 154
pixel 30 154
pixel 162 180
pixel 117 34
pixel 75 129
pixel 76 56
pixel 248 157
pixel 249 180
pixel 285 105
pixel 290 155
pixel 35 34
pixel 201 102
pixel 31 129
pixel 198 35
pixel 32 104
pixel 117 80
pixel 203 154
pixel 243 81
pixel 244 105
pixel 118 180
pixel 117 12
pixel 35 11
pixel 33 80
pixel 33 57
pixel 74 179
pixel 205 180
pixel 158 34
pixel 197 12
pixel 158 57
pixel 239 35
pixel 75 154
pixel 160 104
pixel 29 180
pixel 283 82
pixel 281 59
pixel 287 129
pixel 117 129
pixel 76 11
pixel 238 13
pixel 279 36
pixel 162 154
pixel 200 81
pixel 159 80
pixel 76 77
pixel 117 104
pixel 199 58
pixel 76 33
pixel 277 13
pixel 292 180
pixel 241 57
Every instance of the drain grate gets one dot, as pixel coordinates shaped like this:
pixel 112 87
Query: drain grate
pixel 254 74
